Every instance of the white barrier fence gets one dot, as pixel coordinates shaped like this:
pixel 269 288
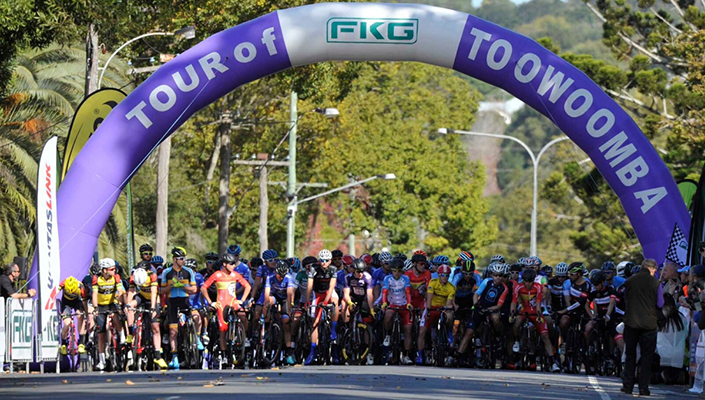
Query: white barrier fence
pixel 19 337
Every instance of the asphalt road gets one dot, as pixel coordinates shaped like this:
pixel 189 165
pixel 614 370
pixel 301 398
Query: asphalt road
pixel 312 383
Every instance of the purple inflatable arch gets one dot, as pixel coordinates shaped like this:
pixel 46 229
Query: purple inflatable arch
pixel 355 31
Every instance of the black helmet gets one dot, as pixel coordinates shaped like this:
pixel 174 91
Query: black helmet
pixel 397 264
pixel 146 247
pixel 402 256
pixel 212 256
pixel 143 265
pixel 256 262
pixel 418 258
pixel 191 263
pixel 308 261
pixel 516 268
pixel 95 269
pixel 282 268
pixel 178 252
pixel 336 253
pixel 528 275
pixel 597 277
pixel 228 258
pixel 359 265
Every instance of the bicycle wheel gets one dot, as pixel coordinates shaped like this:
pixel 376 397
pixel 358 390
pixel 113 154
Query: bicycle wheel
pixel 303 342
pixel 356 343
pixel 396 342
pixel 323 341
pixel 272 344
pixel 238 344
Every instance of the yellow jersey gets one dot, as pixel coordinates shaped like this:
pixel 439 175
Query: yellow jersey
pixel 108 290
pixel 441 293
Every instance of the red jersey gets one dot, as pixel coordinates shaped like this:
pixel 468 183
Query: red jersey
pixel 419 284
pixel 530 297
pixel 226 285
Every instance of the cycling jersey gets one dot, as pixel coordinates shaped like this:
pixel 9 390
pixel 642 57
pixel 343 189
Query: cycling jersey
pixel 108 290
pixel 340 281
pixel 185 276
pixel 358 286
pixel 529 298
pixel 617 282
pixel 601 300
pixel 396 292
pixel 557 289
pixel 196 299
pixel 419 283
pixel 491 294
pixel 87 282
pixel 441 293
pixel 225 283
pixel 321 277
pixel 578 294
pixel 379 275
pixel 465 287
pixel 145 291
pixel 278 288
pixel 301 280
pixel 619 303
pixel 73 297
pixel 212 291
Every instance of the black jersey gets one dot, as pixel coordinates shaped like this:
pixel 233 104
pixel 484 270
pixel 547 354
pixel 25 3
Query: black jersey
pixel 321 277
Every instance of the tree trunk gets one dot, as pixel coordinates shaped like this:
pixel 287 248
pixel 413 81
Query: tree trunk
pixel 162 223
pixel 91 60
pixel 211 168
pixel 224 185
pixel 263 209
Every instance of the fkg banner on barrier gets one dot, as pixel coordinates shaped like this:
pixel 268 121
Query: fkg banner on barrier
pixel 20 319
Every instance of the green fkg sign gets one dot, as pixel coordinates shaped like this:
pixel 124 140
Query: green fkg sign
pixel 372 30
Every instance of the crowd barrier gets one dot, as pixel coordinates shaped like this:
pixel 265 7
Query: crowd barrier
pixel 20 339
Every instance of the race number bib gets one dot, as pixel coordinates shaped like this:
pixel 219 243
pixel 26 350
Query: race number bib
pixel 231 289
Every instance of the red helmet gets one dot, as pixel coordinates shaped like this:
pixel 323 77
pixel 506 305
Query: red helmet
pixel 366 258
pixel 348 260
pixel 443 269
pixel 420 252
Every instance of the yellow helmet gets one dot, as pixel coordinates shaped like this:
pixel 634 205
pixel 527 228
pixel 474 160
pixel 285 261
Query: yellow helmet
pixel 71 286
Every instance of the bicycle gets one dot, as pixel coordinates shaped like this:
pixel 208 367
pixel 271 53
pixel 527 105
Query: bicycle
pixel 487 344
pixel 188 338
pixel 143 343
pixel 575 345
pixel 357 340
pixel 529 342
pixel 440 347
pixel 598 356
pixel 396 342
pixel 235 339
pixel 302 344
pixel 324 331
pixel 268 346
pixel 75 359
pixel 115 351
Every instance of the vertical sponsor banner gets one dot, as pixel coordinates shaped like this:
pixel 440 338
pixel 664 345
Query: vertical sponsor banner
pixel 3 333
pixel 20 322
pixel 48 250
pixel 697 225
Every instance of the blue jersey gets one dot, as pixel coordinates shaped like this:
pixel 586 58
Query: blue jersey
pixel 278 288
pixel 379 275
pixel 185 276
pixel 243 270
pixel 618 281
pixel 492 294
pixel 196 299
pixel 340 282
pixel 465 288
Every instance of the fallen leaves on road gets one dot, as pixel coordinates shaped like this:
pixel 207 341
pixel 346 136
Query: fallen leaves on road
pixel 246 375
pixel 179 378
pixel 65 381
pixel 208 386
pixel 129 382
pixel 108 380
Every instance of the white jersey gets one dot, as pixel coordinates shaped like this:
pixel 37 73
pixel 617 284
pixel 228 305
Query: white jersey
pixel 396 289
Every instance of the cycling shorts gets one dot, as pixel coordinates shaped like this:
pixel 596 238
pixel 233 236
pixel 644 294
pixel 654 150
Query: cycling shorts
pixel 147 303
pixel 430 317
pixel 541 328
pixel 176 304
pixel 101 318
pixel 404 315
pixel 68 306
pixel 477 318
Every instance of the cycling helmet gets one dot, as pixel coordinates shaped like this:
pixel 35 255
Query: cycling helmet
pixel 366 258
pixel 359 265
pixel 325 255
pixel 385 257
pixel 418 258
pixel 191 263
pixel 234 249
pixel 294 264
pixel 228 258
pixel 528 275
pixel 440 260
pixel 546 271
pixel 443 269
pixel 497 258
pixel 535 261
pixel 597 277
pixel 146 247
pixel 505 269
pixel 576 267
pixel 95 269
pixel 178 252
pixel 269 254
pixel 635 269
pixel 402 256
pixel 348 260
pixel 282 268
pixel 408 265
pixel 212 256
pixel 420 252
pixel 157 260
pixel 143 265
pixel 140 277
pixel 256 262
pixel 71 286
pixel 308 261
pixel 562 269
pixel 397 263
pixel 336 253
pixel 621 268
pixel 106 263
pixel 515 268
pixel 466 256
pixel 494 268
pixel 467 266
pixel 609 266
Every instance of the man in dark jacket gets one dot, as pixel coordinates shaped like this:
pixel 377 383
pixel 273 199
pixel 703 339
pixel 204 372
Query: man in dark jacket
pixel 643 298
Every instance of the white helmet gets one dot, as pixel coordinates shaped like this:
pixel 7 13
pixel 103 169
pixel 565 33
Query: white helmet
pixel 140 277
pixel 408 264
pixel 385 257
pixel 562 269
pixel 621 267
pixel 325 255
pixel 106 263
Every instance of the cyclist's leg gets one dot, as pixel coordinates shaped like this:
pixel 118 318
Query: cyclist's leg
pixel 173 321
pixel 334 299
pixel 589 328
pixel 156 334
pixel 406 324
pixel 474 322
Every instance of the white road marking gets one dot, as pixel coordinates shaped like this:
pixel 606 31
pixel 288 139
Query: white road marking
pixel 598 388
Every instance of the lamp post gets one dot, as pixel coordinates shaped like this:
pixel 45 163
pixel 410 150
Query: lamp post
pixel 534 159
pixel 188 32
pixel 294 203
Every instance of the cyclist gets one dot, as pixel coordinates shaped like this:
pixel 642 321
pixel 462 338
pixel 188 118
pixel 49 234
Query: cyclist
pixel 465 257
pixel 212 266
pixel 73 299
pixel 143 287
pixel 321 290
pixel 337 259
pixel 396 291
pixel 603 298
pixel 530 294
pixel 301 281
pixel 87 282
pixel 197 304
pixel 441 294
pixel 515 272
pixel 263 272
pixel 280 289
pixel 225 281
pixel 613 279
pixel 385 259
pixel 557 286
pixel 107 294
pixel 546 271
pixel 357 292
pixel 177 283
pixel 624 269
pixel 465 280
pixel 347 268
pixel 419 278
pixel 437 262
pixel 498 259
pixel 489 297
pixel 240 267
pixel 255 263
pixel 158 263
pixel 575 297
pixel 146 252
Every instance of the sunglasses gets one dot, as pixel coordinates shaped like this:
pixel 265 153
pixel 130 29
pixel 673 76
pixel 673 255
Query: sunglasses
pixel 271 260
pixel 443 275
pixel 111 269
pixel 397 270
pixel 180 258
pixel 210 261
pixel 146 253
pixel 468 273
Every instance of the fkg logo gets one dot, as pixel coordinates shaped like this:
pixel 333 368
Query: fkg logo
pixel 372 30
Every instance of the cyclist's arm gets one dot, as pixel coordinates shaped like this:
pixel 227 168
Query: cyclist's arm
pixel 191 287
pixel 258 281
pixel 204 289
pixel 309 289
pixel 377 289
pixel 612 305
pixel 94 300
pixel 429 297
pixel 346 295
pixel 450 303
pixel 370 298
pixel 290 295
pixel 407 291
pixel 153 294
pixel 242 281
pixel 331 289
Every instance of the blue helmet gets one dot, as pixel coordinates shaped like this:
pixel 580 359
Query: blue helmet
pixel 156 260
pixel 269 254
pixel 235 249
pixel 440 260
pixel 295 264
pixel 609 266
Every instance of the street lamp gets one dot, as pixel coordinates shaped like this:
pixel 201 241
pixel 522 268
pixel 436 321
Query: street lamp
pixel 534 159
pixel 188 32
pixel 294 203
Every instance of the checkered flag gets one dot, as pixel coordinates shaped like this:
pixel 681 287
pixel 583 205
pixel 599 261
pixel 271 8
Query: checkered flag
pixel 678 248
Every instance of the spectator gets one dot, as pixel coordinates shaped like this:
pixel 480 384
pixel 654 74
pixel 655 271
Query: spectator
pixel 670 278
pixel 672 337
pixel 643 298
pixel 7 283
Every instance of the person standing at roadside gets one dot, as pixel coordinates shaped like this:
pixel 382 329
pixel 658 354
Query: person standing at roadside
pixel 644 298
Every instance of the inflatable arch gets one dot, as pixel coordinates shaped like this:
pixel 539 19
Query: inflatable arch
pixel 366 32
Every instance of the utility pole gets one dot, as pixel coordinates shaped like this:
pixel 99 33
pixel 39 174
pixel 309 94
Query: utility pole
pixel 263 209
pixel 224 184
pixel 291 187
pixel 162 223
